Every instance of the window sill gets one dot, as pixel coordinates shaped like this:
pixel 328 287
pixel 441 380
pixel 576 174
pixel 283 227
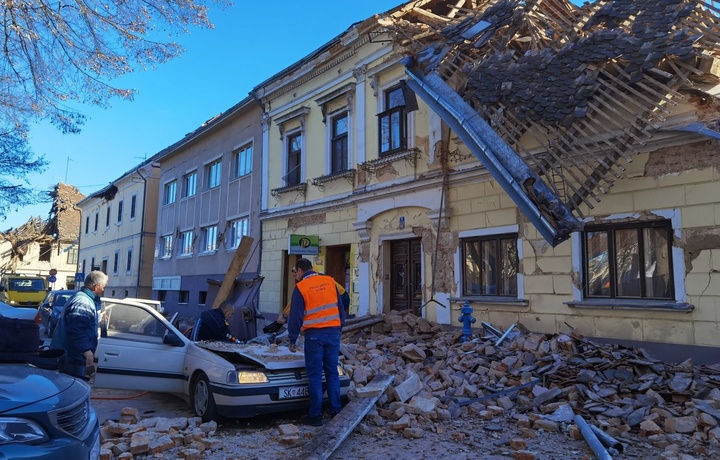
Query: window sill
pixel 348 174
pixel 371 166
pixel 207 253
pixel 492 300
pixel 277 192
pixel 185 256
pixel 628 304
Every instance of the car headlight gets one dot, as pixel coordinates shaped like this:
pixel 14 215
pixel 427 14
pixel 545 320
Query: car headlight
pixel 341 372
pixel 19 430
pixel 252 377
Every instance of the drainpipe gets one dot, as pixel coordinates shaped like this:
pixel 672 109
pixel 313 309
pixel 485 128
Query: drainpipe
pixel 142 228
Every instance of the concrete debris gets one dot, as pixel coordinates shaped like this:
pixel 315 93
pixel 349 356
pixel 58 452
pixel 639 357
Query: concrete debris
pixel 622 391
pixel 131 436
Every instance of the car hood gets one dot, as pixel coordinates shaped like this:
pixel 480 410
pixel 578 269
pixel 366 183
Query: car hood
pixel 23 384
pixel 272 357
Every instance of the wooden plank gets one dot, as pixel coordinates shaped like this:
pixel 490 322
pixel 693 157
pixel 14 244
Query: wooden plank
pixel 338 428
pixel 236 265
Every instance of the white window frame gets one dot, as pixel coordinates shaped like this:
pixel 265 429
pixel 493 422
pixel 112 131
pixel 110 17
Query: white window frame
pixel 674 215
pixel 186 184
pixel 120 212
pixel 116 262
pixel 133 206
pixel 242 161
pixel 166 246
pixel 169 192
pixel 482 232
pixel 209 239
pixel 212 175
pixel 186 243
pixel 128 260
pixel 243 224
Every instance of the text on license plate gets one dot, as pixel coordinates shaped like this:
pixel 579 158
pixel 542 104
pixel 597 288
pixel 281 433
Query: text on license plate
pixel 293 392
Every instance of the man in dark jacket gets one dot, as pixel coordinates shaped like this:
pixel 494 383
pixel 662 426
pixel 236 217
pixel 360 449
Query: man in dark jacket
pixel 77 327
pixel 214 323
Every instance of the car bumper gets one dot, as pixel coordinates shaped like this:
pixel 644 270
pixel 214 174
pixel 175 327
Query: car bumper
pixel 233 402
pixel 65 448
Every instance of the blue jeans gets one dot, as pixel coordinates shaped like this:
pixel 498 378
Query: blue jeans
pixel 321 355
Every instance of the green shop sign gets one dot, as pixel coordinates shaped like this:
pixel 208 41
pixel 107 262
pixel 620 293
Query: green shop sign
pixel 304 244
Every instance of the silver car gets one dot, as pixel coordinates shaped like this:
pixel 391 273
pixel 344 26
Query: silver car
pixel 141 350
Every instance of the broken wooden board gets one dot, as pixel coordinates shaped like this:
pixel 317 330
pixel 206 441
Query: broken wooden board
pixel 338 428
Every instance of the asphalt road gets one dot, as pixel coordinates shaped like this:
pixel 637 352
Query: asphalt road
pixel 109 403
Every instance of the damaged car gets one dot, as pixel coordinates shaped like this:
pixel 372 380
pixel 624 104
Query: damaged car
pixel 139 349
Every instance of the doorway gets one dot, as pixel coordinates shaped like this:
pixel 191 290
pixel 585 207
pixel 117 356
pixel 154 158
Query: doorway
pixel 406 275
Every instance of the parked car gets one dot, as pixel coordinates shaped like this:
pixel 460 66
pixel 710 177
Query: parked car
pixel 44 414
pixel 141 350
pixel 52 307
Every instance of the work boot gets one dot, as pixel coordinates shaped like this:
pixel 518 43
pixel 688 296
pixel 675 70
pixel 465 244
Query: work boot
pixel 312 421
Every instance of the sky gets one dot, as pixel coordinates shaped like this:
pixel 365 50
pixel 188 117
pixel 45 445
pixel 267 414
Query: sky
pixel 251 42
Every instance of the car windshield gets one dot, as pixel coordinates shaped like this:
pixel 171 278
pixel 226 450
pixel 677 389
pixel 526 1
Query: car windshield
pixel 27 285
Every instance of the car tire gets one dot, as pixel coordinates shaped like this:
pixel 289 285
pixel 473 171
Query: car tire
pixel 202 399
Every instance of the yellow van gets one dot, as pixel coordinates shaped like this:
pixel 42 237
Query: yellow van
pixel 23 290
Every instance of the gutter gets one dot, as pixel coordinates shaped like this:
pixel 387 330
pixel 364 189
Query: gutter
pixel 552 218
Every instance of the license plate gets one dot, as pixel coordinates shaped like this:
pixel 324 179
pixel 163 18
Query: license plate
pixel 293 392
pixel 95 449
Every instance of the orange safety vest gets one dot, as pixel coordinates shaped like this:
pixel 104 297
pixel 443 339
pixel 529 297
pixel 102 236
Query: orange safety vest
pixel 321 301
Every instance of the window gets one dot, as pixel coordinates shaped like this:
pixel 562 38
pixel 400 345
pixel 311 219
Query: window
pixel 162 295
pixel 632 260
pixel 294 151
pixel 238 229
pixel 213 172
pixel 128 261
pixel 490 265
pixel 116 262
pixel 189 184
pixel 107 216
pixel 242 161
pixel 87 224
pixel 83 266
pixel 97 218
pixel 133 203
pixel 92 264
pixel 72 255
pixel 169 192
pixel 202 297
pixel 120 211
pixel 186 243
pixel 45 252
pixel 339 144
pixel 167 247
pixel 209 239
pixel 184 297
pixel 104 267
pixel 392 123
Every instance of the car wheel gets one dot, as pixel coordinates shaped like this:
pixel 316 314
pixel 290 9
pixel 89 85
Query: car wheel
pixel 203 401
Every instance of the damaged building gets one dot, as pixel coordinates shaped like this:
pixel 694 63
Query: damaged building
pixel 47 247
pixel 545 163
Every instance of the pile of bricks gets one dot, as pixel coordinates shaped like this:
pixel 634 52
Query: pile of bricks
pixel 535 381
pixel 132 436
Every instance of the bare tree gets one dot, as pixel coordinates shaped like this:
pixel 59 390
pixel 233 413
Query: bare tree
pixel 63 52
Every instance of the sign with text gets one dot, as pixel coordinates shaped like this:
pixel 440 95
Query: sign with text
pixel 304 244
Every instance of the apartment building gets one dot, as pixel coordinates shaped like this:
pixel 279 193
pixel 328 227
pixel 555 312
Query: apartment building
pixel 117 231
pixel 208 200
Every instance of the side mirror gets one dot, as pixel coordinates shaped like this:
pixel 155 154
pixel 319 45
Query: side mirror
pixel 173 340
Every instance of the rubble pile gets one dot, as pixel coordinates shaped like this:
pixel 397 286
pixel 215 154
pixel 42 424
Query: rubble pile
pixel 132 436
pixel 535 381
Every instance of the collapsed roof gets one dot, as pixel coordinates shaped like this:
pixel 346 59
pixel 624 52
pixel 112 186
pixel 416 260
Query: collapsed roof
pixel 551 97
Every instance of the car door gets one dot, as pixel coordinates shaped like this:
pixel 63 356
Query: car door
pixel 139 350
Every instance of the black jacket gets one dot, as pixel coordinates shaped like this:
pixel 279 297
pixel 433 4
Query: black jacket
pixel 213 326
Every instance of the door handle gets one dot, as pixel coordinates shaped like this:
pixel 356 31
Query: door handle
pixel 112 353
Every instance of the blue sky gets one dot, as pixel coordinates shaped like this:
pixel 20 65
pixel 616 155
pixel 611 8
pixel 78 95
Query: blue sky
pixel 251 42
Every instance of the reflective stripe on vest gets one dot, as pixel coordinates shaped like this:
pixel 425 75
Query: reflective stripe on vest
pixel 321 301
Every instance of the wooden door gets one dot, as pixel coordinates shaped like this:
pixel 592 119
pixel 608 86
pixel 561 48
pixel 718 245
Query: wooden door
pixel 406 275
